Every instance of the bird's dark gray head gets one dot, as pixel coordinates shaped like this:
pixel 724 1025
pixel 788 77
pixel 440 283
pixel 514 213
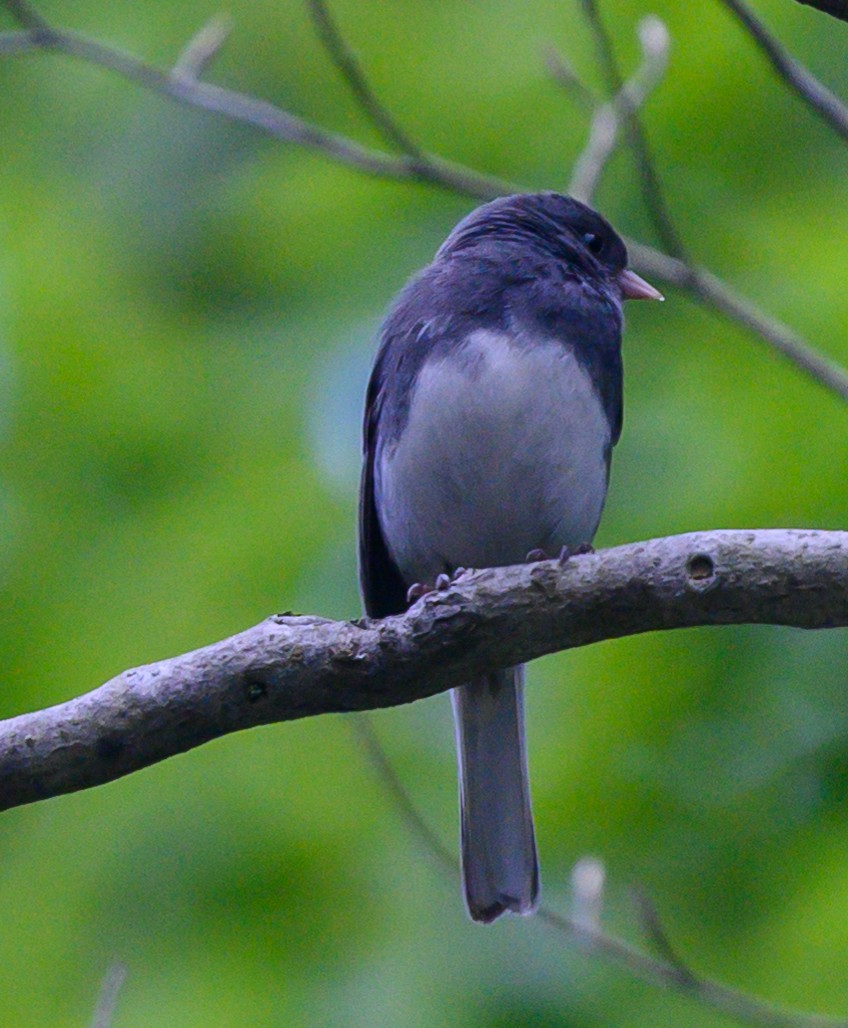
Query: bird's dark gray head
pixel 553 226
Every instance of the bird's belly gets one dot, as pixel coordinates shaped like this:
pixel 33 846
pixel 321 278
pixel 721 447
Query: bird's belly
pixel 505 450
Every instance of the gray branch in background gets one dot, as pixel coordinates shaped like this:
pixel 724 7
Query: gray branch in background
pixel 348 67
pixel 607 118
pixel 653 195
pixel 716 294
pixel 825 103
pixel 425 168
pixel 292 667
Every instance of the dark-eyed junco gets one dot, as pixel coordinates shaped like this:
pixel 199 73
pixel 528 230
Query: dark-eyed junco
pixel 492 410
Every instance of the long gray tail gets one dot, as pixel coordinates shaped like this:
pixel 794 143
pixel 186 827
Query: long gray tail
pixel 499 864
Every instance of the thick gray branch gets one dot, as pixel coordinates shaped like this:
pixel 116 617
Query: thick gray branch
pixel 293 667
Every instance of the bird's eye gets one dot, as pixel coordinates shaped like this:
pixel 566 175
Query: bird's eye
pixel 594 242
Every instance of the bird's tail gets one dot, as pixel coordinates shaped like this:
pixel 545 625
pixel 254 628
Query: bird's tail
pixel 499 864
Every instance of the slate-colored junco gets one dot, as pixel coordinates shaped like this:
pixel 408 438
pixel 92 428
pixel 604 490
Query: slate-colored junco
pixel 492 410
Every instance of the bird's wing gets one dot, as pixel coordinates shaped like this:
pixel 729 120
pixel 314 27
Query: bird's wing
pixel 383 588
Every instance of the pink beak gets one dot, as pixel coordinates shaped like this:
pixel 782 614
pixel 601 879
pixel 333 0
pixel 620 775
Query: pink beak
pixel 634 287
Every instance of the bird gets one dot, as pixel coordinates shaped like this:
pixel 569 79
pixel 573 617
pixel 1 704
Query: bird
pixel 494 402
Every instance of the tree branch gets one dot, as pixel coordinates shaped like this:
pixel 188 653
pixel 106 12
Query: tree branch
pixel 673 975
pixel 562 72
pixel 835 8
pixel 649 179
pixel 202 49
pixel 287 127
pixel 292 667
pixel 679 269
pixel 584 926
pixel 794 74
pixel 260 114
pixel 607 118
pixel 347 64
pixel 715 293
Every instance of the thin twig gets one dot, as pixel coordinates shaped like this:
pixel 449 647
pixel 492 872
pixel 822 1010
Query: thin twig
pixel 261 114
pixel 738 1005
pixel 716 294
pixel 795 75
pixel 603 132
pixel 110 991
pixel 560 70
pixel 366 733
pixel 202 48
pixel 282 125
pixel 652 925
pixel 652 190
pixel 28 17
pixel 666 971
pixel 588 877
pixel 679 270
pixel 347 64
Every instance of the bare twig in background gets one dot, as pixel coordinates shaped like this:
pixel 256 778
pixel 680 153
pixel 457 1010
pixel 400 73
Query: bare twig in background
pixel 282 125
pixel 560 70
pixel 667 971
pixel 110 991
pixel 835 8
pixel 24 13
pixel 202 48
pixel 718 295
pixel 741 1007
pixel 366 733
pixel 678 270
pixel 588 877
pixel 347 64
pixel 795 75
pixel 603 132
pixel 652 191
pixel 649 919
pixel 249 110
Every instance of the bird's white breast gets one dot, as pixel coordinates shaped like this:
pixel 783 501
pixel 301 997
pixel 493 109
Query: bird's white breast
pixel 503 452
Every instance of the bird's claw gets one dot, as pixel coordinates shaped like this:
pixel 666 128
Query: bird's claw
pixel 416 591
pixel 419 589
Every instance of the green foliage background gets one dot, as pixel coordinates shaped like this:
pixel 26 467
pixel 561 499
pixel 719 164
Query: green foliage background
pixel 187 314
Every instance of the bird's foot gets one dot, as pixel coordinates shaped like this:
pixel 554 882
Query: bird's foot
pixel 443 582
pixel 416 591
pixel 565 554
pixel 533 556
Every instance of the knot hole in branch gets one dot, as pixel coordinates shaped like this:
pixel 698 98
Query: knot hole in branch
pixel 255 689
pixel 701 569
